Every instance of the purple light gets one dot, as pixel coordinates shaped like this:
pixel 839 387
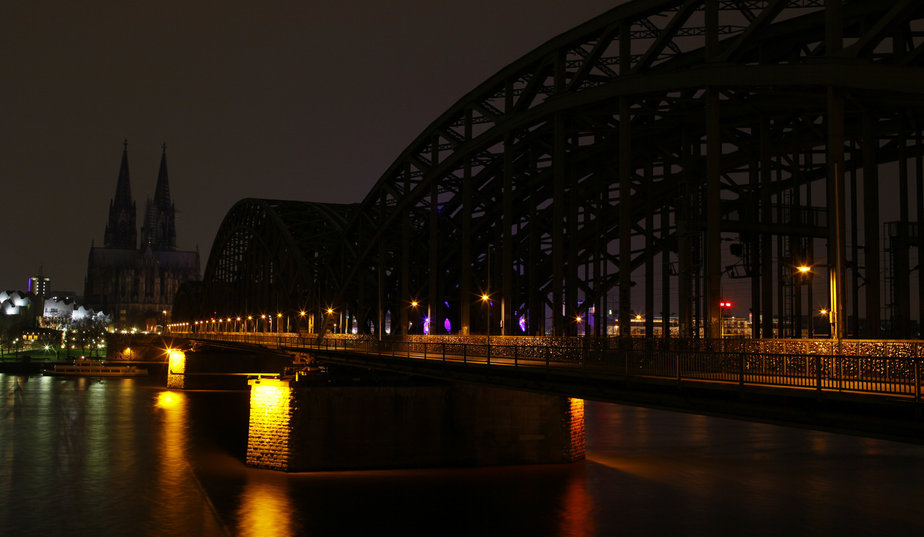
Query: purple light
pixel 522 323
pixel 447 325
pixel 426 328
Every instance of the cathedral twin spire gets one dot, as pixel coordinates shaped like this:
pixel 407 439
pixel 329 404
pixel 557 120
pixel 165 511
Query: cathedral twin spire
pixel 121 229
pixel 159 229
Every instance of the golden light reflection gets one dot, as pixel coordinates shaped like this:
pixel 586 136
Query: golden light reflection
pixel 172 460
pixel 266 507
pixel 577 509
pixel 168 400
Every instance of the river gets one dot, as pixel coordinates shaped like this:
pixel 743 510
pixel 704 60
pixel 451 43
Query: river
pixel 126 457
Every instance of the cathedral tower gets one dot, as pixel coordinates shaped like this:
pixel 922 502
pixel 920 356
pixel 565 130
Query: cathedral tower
pixel 121 230
pixel 136 286
pixel 159 229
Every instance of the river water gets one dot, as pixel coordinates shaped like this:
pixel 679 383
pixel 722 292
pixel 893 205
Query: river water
pixel 126 457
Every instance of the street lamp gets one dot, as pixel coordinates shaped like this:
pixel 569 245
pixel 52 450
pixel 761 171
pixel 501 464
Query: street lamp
pixel 414 305
pixel 824 312
pixel 486 299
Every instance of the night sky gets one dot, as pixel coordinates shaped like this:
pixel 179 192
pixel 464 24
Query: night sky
pixel 253 99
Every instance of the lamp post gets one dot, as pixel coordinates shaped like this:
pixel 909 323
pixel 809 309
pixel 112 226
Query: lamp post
pixel 414 305
pixel 824 312
pixel 804 273
pixel 486 298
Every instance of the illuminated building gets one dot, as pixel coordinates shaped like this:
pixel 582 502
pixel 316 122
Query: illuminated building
pixel 40 286
pixel 131 283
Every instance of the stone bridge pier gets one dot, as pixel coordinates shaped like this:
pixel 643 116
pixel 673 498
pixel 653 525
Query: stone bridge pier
pixel 299 424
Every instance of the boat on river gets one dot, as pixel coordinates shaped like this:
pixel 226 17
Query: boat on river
pixel 90 368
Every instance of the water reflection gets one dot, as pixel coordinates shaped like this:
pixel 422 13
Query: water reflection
pixel 266 507
pixel 180 502
pixel 130 458
pixel 576 516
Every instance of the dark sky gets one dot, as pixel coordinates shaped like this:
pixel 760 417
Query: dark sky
pixel 253 99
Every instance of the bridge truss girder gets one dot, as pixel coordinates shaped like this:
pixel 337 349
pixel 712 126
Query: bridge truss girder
pixel 614 160
pixel 270 257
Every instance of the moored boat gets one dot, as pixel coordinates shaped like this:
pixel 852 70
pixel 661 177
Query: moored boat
pixel 89 368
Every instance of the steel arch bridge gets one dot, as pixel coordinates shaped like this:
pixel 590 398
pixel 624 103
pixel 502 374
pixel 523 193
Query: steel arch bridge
pixel 636 163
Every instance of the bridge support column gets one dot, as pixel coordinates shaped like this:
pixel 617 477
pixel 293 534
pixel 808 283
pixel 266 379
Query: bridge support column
pixel 176 370
pixel 713 236
pixel 305 428
pixel 272 408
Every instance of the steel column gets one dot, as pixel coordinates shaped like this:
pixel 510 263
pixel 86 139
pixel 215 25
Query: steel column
pixel 465 268
pixel 837 249
pixel 919 195
pixel 870 222
pixel 558 217
pixel 713 236
pixel 766 239
pixel 647 181
pixel 901 283
pixel 625 218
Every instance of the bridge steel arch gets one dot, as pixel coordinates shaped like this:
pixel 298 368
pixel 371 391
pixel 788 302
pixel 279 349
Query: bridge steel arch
pixel 270 256
pixel 607 169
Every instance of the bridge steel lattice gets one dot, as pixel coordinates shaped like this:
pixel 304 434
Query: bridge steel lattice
pixel 610 167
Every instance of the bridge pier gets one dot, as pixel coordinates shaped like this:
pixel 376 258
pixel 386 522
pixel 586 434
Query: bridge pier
pixel 295 426
pixel 176 370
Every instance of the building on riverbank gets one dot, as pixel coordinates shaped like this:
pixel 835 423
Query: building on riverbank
pixel 135 283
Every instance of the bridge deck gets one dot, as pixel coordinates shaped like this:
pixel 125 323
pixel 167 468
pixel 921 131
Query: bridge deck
pixel 863 394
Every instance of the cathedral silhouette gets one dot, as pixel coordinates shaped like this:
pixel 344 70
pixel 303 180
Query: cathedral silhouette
pixel 135 283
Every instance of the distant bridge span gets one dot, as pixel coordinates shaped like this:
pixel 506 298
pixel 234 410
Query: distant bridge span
pixel 636 164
